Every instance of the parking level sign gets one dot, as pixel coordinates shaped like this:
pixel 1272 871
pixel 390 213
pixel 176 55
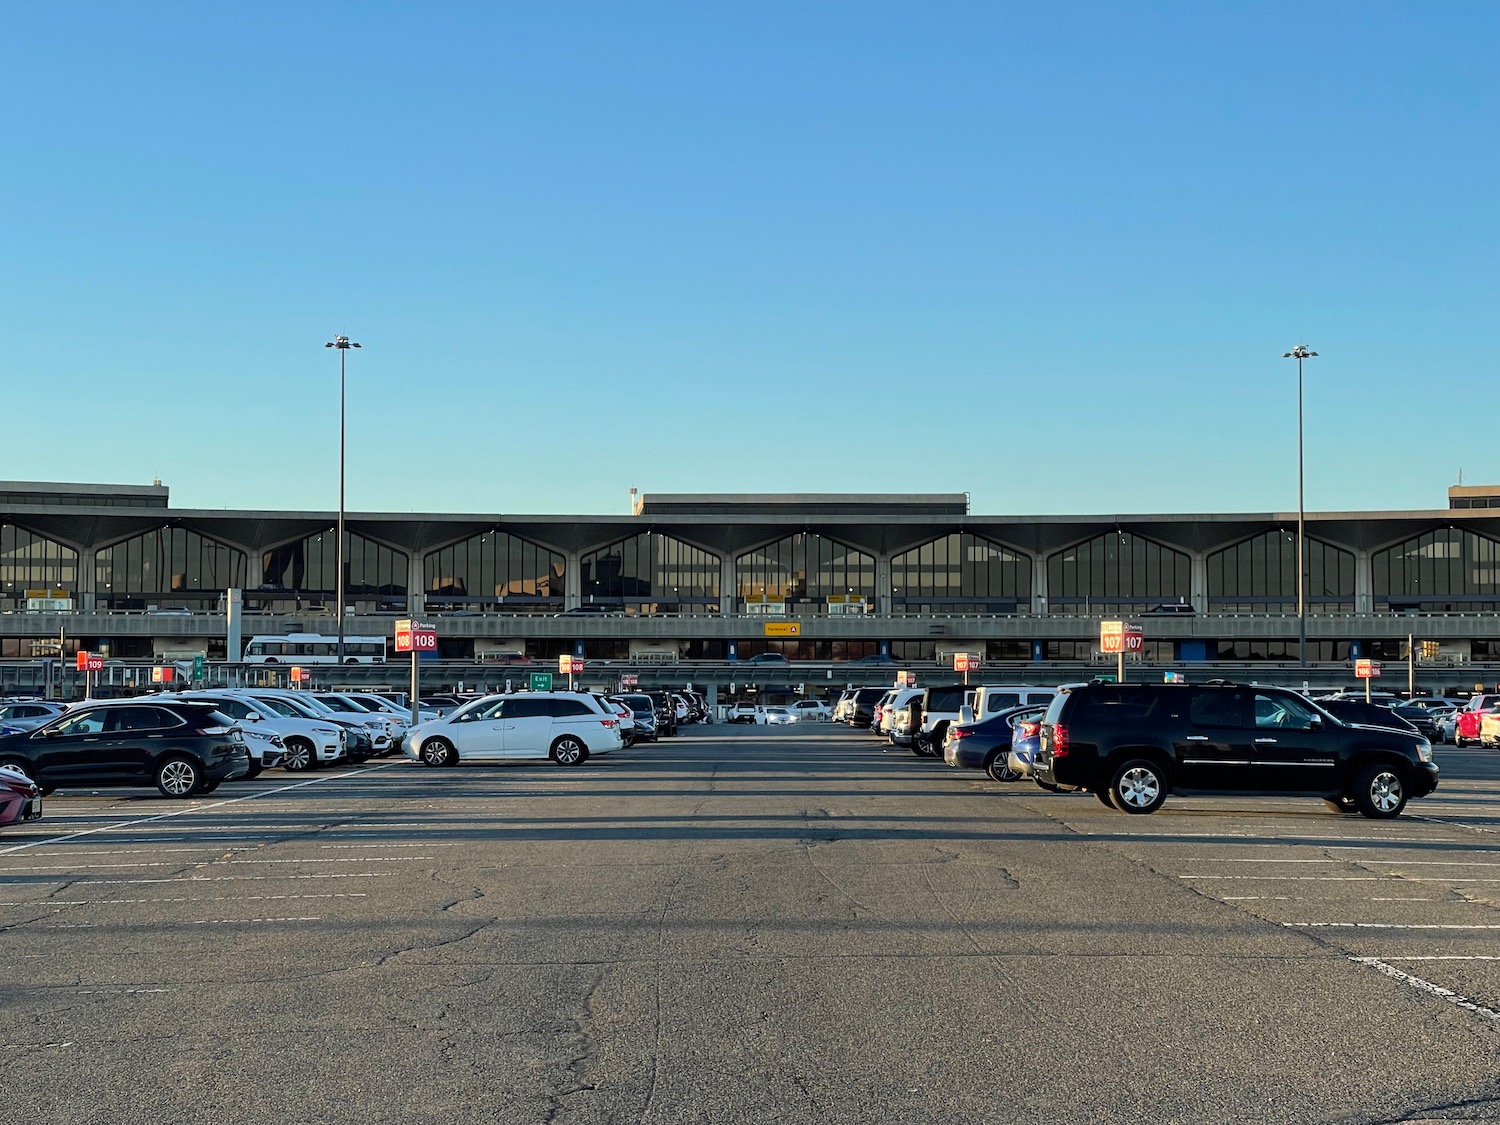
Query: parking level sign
pixel 541 681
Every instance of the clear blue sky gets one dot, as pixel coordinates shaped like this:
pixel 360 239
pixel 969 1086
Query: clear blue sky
pixel 1047 254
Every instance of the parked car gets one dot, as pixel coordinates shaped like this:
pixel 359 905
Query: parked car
pixel 877 658
pixel 845 705
pixel 20 797
pixel 1466 730
pixel 766 658
pixel 812 709
pixel 940 706
pixel 1356 712
pixel 742 713
pixel 991 699
pixel 862 710
pixel 1422 718
pixel 184 748
pixel 1133 744
pixel 666 712
pixel 986 744
pixel 780 716
pixel 642 713
pixel 1169 609
pixel 306 743
pixel 1025 741
pixel 29 714
pixel 896 722
pixel 565 727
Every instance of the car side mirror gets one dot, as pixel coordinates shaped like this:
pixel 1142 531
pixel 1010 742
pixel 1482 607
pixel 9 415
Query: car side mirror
pixel 1316 723
pixel 49 732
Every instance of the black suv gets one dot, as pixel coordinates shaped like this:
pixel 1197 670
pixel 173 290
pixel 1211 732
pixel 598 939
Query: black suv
pixel 1132 745
pixel 185 749
pixel 666 712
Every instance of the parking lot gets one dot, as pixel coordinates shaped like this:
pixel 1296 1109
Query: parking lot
pixel 747 924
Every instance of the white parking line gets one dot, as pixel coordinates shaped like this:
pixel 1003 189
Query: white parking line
pixel 1428 987
pixel 246 921
pixel 191 809
pixel 226 878
pixel 315 859
pixel 1328 879
pixel 1448 957
pixel 1362 859
pixel 1386 926
pixel 154 901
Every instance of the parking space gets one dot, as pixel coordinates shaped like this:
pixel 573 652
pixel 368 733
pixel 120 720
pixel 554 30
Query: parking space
pixel 740 924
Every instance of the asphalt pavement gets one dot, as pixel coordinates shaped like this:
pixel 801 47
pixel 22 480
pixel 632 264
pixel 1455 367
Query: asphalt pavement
pixel 746 925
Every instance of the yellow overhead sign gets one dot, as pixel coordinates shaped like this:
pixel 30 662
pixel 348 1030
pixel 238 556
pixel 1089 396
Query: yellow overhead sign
pixel 783 628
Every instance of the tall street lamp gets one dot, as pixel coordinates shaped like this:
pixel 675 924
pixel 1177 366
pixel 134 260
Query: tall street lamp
pixel 343 345
pixel 1298 353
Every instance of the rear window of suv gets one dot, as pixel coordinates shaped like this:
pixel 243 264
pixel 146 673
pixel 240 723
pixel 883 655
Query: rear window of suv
pixel 943 699
pixel 1114 705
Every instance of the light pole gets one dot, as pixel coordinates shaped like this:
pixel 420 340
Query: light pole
pixel 1299 353
pixel 343 345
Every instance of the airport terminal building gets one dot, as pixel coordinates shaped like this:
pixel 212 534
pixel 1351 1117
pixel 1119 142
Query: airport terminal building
pixel 117 569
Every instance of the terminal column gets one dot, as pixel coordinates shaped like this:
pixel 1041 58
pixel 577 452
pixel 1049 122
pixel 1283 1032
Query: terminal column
pixel 728 592
pixel 416 585
pixel 1198 582
pixel 883 591
pixel 1039 585
pixel 572 582
pixel 84 581
pixel 1364 583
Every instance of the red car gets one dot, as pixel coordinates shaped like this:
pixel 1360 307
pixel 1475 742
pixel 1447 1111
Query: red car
pixel 20 797
pixel 1466 724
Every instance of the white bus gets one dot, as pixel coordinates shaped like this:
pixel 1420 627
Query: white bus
pixel 314 648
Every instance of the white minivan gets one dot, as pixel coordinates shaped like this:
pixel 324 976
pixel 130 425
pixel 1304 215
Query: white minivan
pixel 566 727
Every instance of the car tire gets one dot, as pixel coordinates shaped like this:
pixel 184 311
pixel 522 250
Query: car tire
pixel 1380 792
pixel 1106 797
pixel 300 755
pixel 998 767
pixel 1139 786
pixel 178 777
pixel 21 767
pixel 438 752
pixel 253 772
pixel 205 790
pixel 569 751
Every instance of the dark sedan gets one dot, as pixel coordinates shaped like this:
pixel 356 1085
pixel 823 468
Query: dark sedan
pixel 185 749
pixel 986 745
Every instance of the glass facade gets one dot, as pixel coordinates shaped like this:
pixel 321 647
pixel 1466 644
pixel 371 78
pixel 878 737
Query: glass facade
pixel 31 562
pixel 807 568
pixel 494 570
pixel 960 573
pixel 1260 576
pixel 167 565
pixel 1448 570
pixel 1116 572
pixel 652 572
pixel 304 574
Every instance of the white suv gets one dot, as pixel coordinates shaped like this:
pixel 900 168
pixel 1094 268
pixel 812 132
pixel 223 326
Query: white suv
pixel 567 727
pixel 307 743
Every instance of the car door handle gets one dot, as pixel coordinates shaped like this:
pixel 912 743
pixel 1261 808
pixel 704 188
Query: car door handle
pixel 1197 738
pixel 1260 741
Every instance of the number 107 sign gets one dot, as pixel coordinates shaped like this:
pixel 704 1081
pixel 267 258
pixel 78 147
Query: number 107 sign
pixel 413 637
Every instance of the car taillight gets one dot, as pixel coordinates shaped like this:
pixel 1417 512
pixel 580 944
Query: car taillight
pixel 1028 730
pixel 958 732
pixel 1059 741
pixel 217 730
pixel 610 722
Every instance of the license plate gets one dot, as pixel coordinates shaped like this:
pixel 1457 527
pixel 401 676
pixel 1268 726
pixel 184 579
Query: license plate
pixel 34 811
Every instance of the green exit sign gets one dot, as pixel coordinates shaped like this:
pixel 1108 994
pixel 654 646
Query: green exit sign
pixel 541 681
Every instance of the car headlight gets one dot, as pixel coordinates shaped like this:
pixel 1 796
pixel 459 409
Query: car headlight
pixel 1424 750
pixel 327 731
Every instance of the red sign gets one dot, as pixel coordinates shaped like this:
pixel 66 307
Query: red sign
pixel 298 675
pixel 569 664
pixel 964 662
pixel 1117 636
pixel 412 636
pixel 95 662
pixel 161 675
pixel 627 682
pixel 1367 669
pixel 83 661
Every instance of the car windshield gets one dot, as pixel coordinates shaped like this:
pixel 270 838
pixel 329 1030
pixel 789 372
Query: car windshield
pixel 337 704
pixel 277 707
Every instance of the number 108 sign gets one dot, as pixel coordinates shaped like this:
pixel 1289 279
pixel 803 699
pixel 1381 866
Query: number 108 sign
pixel 412 637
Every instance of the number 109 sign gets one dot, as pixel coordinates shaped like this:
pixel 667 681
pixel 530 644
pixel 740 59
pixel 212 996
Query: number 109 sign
pixel 412 637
